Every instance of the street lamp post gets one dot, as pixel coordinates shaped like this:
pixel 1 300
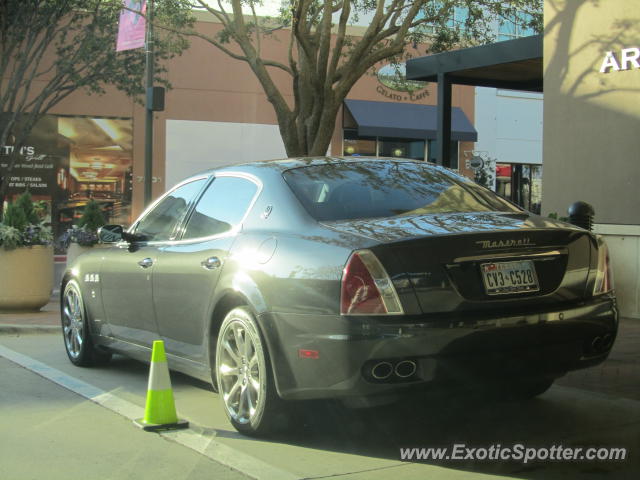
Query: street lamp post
pixel 148 136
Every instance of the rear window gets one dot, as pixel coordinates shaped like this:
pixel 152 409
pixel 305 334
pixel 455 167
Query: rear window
pixel 378 188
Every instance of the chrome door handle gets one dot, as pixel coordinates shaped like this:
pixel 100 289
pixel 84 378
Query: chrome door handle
pixel 145 262
pixel 211 263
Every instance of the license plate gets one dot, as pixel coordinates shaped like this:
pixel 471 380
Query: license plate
pixel 502 278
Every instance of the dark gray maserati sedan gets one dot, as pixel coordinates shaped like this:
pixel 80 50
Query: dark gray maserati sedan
pixel 358 278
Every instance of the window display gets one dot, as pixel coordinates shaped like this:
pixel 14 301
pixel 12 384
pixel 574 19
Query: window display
pixel 66 161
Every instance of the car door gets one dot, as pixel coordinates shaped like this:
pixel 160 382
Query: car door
pixel 188 270
pixel 126 273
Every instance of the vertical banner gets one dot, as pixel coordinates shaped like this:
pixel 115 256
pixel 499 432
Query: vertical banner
pixel 131 29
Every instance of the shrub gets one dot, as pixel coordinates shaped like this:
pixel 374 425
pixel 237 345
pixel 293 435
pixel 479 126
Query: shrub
pixel 92 218
pixel 85 233
pixel 21 226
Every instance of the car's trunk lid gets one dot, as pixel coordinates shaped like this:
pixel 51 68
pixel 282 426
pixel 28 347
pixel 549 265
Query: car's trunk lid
pixel 441 259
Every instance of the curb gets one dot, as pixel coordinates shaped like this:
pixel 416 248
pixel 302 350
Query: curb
pixel 17 329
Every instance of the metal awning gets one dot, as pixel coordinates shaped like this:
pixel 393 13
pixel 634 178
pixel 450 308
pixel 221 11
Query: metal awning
pixel 406 120
pixel 514 64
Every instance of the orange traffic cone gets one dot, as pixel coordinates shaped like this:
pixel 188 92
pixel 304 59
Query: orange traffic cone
pixel 160 409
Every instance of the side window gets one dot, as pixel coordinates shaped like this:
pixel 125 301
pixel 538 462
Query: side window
pixel 221 207
pixel 159 223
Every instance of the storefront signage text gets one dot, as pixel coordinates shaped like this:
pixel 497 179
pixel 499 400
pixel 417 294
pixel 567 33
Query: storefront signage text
pixel 27 182
pixel 401 96
pixel 7 149
pixel 628 60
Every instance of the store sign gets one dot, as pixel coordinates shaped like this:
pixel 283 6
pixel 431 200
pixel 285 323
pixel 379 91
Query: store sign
pixel 395 86
pixel 626 60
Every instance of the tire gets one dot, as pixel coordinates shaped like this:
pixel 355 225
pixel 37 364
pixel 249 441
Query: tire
pixel 75 329
pixel 243 373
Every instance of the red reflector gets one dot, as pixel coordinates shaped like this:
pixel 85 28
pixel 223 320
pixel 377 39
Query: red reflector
pixel 314 354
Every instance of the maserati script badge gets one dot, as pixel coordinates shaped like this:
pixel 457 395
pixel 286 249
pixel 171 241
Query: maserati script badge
pixel 523 242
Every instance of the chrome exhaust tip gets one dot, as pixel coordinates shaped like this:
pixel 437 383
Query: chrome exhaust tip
pixel 382 370
pixel 405 368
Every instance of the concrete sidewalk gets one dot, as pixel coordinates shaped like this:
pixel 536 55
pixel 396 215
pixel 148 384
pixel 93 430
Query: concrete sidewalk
pixel 47 320
pixel 619 375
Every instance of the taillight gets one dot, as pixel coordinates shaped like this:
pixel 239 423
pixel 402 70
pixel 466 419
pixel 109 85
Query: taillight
pixel 604 277
pixel 367 288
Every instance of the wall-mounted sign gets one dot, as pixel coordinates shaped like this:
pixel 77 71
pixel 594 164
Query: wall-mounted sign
pixel 476 162
pixel 395 86
pixel 628 59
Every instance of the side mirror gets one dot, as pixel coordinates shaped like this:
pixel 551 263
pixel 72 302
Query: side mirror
pixel 134 237
pixel 110 233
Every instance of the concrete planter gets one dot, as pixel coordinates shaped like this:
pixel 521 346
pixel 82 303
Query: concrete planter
pixel 26 277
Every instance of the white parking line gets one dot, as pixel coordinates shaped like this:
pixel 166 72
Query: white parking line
pixel 202 442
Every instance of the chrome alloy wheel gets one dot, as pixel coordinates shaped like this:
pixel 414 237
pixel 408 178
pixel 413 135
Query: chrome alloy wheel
pixel 241 370
pixel 73 321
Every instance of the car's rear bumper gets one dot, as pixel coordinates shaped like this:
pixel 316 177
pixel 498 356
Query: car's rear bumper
pixel 452 349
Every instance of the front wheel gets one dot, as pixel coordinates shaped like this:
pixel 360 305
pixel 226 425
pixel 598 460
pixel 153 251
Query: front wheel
pixel 75 329
pixel 245 381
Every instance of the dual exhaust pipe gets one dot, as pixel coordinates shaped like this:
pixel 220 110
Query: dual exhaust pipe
pixel 384 370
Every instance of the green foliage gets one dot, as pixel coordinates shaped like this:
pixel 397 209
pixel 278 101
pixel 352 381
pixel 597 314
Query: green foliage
pixel 92 217
pixel 15 217
pixel 10 237
pixel 485 176
pixel 25 203
pixel 331 45
pixel 41 209
pixel 51 49
pixel 83 34
pixel 21 227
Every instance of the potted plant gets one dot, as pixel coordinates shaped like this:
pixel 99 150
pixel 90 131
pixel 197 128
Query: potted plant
pixel 83 236
pixel 26 257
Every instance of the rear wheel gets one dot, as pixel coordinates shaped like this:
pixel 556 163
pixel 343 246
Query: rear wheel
pixel 245 381
pixel 75 329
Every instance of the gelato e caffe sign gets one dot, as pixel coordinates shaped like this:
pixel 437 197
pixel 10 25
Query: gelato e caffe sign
pixel 626 60
pixel 395 86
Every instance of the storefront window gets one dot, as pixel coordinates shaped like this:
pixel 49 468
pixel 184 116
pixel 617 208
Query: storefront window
pixel 398 147
pixel 536 188
pixel 358 146
pixel 503 180
pixel 355 145
pixel 67 161
pixel 522 184
pixel 433 153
